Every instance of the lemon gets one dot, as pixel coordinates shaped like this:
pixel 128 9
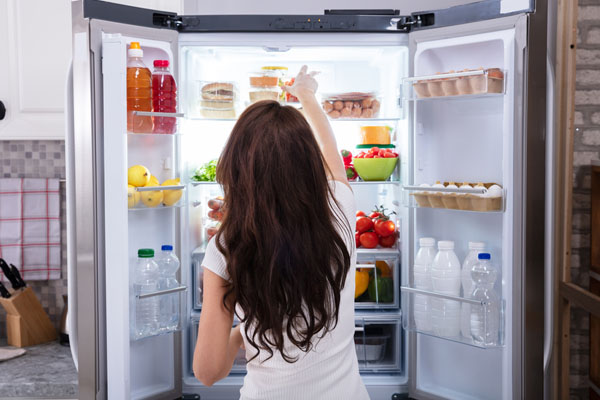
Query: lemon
pixel 152 199
pixel 133 196
pixel 138 175
pixel 153 181
pixel 170 197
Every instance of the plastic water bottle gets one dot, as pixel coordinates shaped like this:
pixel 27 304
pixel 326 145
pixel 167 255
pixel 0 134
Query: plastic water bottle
pixel 467 286
pixel 146 281
pixel 445 279
pixel 422 280
pixel 168 264
pixel 485 319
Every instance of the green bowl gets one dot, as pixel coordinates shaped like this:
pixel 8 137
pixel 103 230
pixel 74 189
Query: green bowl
pixel 375 169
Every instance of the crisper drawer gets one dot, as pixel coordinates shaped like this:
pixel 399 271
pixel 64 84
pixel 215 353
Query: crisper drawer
pixel 378 344
pixel 239 364
pixel 377 281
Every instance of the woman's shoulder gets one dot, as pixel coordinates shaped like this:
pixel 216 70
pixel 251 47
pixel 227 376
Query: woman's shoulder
pixel 214 260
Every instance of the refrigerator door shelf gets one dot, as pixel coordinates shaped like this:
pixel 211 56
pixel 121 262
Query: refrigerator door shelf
pixel 417 318
pixel 465 200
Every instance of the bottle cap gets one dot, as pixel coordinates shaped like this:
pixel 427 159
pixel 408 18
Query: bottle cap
pixel 145 253
pixel 446 245
pixel 476 246
pixel 484 256
pixel 427 242
pixel 161 63
pixel 166 247
pixel 135 50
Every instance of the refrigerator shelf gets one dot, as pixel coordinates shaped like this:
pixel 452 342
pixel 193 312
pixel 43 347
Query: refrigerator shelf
pixel 383 251
pixel 465 200
pixel 370 183
pixel 157 188
pixel 150 134
pixel 158 114
pixel 417 305
pixel 141 207
pixel 199 183
pixel 354 120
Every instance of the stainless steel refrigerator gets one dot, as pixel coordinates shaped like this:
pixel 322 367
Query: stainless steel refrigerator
pixel 463 91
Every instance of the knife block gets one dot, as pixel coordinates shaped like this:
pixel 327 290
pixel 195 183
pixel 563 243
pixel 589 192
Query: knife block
pixel 27 323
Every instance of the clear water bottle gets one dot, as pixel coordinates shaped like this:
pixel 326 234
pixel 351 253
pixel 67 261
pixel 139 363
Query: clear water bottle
pixel 422 280
pixel 467 286
pixel 146 281
pixel 445 279
pixel 168 264
pixel 485 319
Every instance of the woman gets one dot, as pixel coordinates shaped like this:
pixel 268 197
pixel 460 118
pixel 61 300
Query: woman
pixel 284 258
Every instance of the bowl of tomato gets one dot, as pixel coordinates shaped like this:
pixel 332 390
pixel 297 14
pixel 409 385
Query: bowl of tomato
pixel 376 164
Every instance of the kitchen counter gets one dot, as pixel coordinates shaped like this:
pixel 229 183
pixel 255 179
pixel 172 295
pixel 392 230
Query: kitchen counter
pixel 45 371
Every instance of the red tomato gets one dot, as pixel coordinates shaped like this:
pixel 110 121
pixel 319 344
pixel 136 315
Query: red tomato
pixel 363 224
pixel 357 237
pixel 388 154
pixel 369 240
pixel 360 214
pixel 387 241
pixel 384 228
pixel 382 152
pixel 374 215
pixel 374 150
pixel 370 155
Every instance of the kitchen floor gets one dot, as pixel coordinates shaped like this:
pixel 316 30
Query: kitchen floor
pixel 45 371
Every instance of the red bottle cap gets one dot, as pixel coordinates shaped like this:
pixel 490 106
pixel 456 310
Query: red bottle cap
pixel 161 63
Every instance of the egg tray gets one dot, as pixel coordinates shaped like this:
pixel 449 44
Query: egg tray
pixel 458 201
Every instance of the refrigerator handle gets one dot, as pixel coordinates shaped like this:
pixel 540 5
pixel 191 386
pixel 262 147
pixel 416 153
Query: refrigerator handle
pixel 70 200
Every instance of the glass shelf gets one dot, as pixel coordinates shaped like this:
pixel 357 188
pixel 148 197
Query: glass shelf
pixel 201 183
pixel 141 207
pixel 149 135
pixel 334 120
pixel 383 251
pixel 159 188
pixel 362 183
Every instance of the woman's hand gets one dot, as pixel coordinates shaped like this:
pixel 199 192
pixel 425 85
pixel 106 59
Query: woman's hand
pixel 305 85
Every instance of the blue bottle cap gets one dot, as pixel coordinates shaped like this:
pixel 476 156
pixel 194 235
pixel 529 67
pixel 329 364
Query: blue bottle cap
pixel 166 247
pixel 484 256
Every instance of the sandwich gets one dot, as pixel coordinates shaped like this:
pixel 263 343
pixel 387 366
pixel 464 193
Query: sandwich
pixel 217 100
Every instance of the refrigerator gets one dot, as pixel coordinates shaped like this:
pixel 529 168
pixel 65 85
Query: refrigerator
pixel 490 130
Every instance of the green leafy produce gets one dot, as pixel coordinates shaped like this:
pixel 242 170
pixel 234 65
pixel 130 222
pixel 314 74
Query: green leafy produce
pixel 206 172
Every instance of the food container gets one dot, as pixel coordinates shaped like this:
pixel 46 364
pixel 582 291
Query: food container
pixel 370 348
pixel 281 73
pixel 449 86
pixel 491 81
pixel 217 99
pixel 421 89
pixel 375 169
pixel 422 199
pixel 375 135
pixel 264 79
pixel 450 199
pixel 258 94
pixel 463 85
pixel 351 105
pixel 435 87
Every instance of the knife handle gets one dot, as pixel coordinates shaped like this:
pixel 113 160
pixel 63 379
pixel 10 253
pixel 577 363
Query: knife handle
pixel 9 275
pixel 17 275
pixel 3 292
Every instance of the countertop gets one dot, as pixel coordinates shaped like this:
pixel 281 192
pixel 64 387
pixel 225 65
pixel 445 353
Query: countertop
pixel 45 371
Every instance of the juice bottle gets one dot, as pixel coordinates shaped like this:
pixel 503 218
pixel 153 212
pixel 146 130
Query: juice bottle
pixel 164 97
pixel 139 90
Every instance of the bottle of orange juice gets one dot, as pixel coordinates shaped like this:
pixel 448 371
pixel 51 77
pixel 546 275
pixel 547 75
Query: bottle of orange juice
pixel 139 91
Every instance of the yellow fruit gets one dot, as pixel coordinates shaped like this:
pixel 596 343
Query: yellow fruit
pixel 170 197
pixel 383 269
pixel 152 199
pixel 153 181
pixel 133 196
pixel 138 175
pixel 362 282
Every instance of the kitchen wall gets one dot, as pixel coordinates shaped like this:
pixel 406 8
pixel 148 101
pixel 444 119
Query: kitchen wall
pixel 587 148
pixel 39 159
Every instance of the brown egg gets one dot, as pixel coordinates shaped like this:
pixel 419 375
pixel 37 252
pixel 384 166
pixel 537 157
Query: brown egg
pixel 366 103
pixel 334 114
pixel 348 104
pixel 356 112
pixel 375 106
pixel 357 104
pixel 367 113
pixel 327 106
pixel 338 105
pixel 346 112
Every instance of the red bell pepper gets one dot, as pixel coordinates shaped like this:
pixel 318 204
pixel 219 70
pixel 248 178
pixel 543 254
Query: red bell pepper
pixel 347 156
pixel 351 172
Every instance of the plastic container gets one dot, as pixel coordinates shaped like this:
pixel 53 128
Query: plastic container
pixel 491 81
pixel 168 264
pixel 450 199
pixel 139 91
pixel 375 135
pixel 435 198
pixel 375 169
pixel 147 309
pixel 351 105
pixel 164 97
pixel 485 319
pixel 467 285
pixel 217 99
pixel 445 279
pixel 422 280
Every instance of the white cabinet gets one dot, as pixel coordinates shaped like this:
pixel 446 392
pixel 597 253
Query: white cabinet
pixel 35 51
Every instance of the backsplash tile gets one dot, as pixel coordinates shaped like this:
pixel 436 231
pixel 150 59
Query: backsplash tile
pixel 40 159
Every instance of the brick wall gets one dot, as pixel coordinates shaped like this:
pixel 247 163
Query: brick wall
pixel 587 148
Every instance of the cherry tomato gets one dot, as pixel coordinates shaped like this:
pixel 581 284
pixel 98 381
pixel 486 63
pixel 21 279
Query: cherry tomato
pixel 369 240
pixel 363 224
pixel 374 215
pixel 360 214
pixel 370 155
pixel 382 152
pixel 357 238
pixel 374 150
pixel 387 241
pixel 377 157
pixel 384 227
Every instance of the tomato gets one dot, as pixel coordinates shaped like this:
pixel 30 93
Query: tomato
pixel 370 155
pixel 382 152
pixel 360 214
pixel 377 157
pixel 374 150
pixel 357 238
pixel 374 215
pixel 388 154
pixel 387 241
pixel 384 227
pixel 216 215
pixel 363 224
pixel 369 240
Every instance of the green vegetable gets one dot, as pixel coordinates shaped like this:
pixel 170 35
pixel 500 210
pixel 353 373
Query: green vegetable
pixel 206 172
pixel 385 287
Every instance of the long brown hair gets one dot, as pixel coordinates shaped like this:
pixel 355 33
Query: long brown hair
pixel 286 260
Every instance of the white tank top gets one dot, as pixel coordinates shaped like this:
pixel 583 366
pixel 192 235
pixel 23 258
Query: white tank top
pixel 330 370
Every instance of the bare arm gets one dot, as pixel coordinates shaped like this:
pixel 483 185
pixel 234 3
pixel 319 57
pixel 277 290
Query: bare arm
pixel 217 343
pixel 304 89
